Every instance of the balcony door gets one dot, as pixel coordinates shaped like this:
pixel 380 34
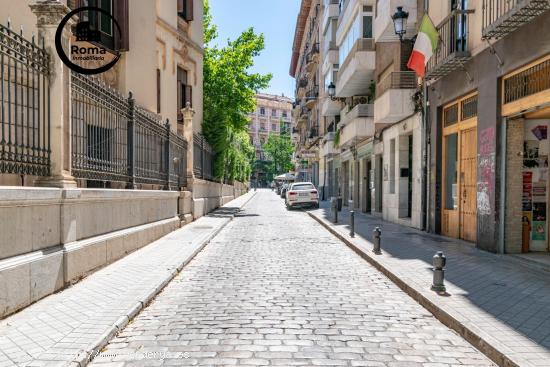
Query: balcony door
pixel 459 27
pixel 459 212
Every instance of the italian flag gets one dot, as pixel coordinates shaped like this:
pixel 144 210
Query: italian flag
pixel 424 47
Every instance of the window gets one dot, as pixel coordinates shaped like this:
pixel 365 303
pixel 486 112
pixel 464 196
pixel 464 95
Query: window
pixel 274 113
pixel 451 172
pixel 109 36
pixel 262 111
pixel 274 127
pixel 285 114
pixel 262 127
pixel 349 39
pixel 185 92
pixel 185 9
pixel 367 26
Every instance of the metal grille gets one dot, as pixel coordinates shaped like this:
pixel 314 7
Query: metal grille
pixel 469 108
pixel 530 81
pixel 203 155
pixel 451 115
pixel 24 105
pixel 113 140
pixel 397 80
pixel 501 17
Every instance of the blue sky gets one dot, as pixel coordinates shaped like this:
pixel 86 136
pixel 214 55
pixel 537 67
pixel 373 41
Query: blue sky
pixel 276 19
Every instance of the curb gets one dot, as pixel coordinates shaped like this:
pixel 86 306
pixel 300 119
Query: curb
pixel 86 356
pixel 471 336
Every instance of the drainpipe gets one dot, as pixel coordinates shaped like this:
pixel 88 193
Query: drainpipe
pixel 426 148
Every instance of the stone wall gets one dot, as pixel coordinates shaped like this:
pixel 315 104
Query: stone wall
pixel 54 237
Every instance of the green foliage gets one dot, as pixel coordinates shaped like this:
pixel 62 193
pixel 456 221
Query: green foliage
pixel 229 91
pixel 278 150
pixel 337 138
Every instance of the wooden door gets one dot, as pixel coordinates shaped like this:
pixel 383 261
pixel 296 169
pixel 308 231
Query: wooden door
pixel 468 184
pixel 459 174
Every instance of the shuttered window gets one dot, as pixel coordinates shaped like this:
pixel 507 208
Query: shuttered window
pixel 185 9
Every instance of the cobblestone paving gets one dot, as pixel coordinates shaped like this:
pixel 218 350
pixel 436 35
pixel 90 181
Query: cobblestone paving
pixel 275 288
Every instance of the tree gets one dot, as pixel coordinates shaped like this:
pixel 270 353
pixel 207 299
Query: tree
pixel 278 150
pixel 229 91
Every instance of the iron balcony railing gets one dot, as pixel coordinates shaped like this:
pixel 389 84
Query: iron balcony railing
pixel 501 17
pixel 397 80
pixel 453 50
pixel 24 105
pixel 203 158
pixel 113 140
pixel 527 82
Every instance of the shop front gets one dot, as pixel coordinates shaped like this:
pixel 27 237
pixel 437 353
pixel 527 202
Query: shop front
pixel 526 112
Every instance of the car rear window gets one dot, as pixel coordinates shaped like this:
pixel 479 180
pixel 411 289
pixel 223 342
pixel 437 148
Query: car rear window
pixel 303 187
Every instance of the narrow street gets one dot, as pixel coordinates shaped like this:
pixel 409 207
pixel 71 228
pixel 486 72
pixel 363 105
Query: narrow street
pixel 275 288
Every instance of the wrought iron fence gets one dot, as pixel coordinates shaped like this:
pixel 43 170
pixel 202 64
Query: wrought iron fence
pixel 203 158
pixel 113 140
pixel 24 105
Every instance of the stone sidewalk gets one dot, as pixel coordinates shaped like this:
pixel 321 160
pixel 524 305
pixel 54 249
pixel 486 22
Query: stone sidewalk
pixel 498 303
pixel 64 328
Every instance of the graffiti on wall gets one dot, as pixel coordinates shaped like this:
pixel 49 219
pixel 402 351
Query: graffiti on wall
pixel 486 170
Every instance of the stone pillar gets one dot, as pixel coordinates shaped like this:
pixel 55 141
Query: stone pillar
pixel 49 14
pixel 188 114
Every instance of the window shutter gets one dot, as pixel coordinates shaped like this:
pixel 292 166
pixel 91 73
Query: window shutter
pixel 158 91
pixel 181 7
pixel 189 10
pixel 122 17
pixel 188 95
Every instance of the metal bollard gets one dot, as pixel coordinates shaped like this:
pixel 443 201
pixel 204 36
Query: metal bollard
pixel 377 238
pixel 439 260
pixel 352 223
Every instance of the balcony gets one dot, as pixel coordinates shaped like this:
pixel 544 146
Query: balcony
pixel 453 51
pixel 303 116
pixel 503 17
pixel 383 24
pixel 356 125
pixel 357 70
pixel 330 107
pixel 332 10
pixel 394 97
pixel 328 149
pixel 312 58
pixel 330 56
pixel 311 96
pixel 301 87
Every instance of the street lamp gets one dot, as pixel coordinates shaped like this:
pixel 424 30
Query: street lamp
pixel 400 22
pixel 332 90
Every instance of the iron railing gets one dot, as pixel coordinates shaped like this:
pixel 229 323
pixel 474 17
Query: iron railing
pixel 501 17
pixel 24 105
pixel 203 158
pixel 453 50
pixel 113 140
pixel 397 80
pixel 527 82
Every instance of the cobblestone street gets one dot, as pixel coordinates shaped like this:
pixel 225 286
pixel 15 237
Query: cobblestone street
pixel 276 288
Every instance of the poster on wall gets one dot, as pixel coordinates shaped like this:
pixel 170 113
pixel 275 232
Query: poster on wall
pixel 527 199
pixel 539 231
